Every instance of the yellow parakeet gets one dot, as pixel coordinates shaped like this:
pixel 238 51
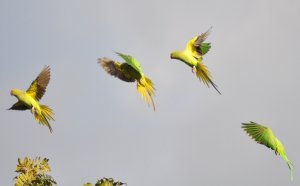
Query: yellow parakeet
pixel 192 56
pixel 29 99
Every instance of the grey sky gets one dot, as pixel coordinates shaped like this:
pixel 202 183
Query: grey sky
pixel 103 128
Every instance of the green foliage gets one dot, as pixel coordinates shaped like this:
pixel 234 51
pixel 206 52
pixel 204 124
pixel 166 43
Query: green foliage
pixel 33 172
pixel 106 182
pixel 43 180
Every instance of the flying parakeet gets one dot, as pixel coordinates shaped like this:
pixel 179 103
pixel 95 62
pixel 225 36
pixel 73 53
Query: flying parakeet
pixel 192 56
pixel 29 99
pixel 130 71
pixel 265 136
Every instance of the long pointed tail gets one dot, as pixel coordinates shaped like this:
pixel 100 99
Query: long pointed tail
pixel 204 75
pixel 290 165
pixel 45 115
pixel 145 88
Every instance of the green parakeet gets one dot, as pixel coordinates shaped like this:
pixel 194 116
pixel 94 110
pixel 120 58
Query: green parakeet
pixel 130 71
pixel 192 56
pixel 29 99
pixel 265 136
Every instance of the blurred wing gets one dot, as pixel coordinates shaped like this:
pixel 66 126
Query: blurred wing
pixel 116 69
pixel 132 62
pixel 38 87
pixel 18 106
pixel 261 134
pixel 200 47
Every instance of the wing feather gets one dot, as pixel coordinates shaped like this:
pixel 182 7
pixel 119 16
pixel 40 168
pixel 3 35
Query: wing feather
pixel 265 136
pixel 260 134
pixel 200 47
pixel 116 69
pixel 18 106
pixel 132 62
pixel 38 87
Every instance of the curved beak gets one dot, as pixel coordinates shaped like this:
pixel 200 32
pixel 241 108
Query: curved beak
pixel 171 56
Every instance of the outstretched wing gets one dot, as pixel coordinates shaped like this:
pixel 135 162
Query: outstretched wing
pixel 261 134
pixel 38 87
pixel 196 47
pixel 132 62
pixel 116 69
pixel 200 47
pixel 18 106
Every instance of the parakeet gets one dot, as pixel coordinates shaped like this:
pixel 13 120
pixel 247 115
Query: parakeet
pixel 29 99
pixel 130 71
pixel 265 136
pixel 192 56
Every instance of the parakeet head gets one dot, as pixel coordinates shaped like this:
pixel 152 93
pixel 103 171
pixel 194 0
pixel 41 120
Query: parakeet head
pixel 174 55
pixel 15 92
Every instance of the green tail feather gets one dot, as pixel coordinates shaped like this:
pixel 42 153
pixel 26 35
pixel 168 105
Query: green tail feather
pixel 290 165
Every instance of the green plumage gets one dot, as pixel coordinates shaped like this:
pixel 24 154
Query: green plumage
pixel 132 62
pixel 265 136
pixel 205 48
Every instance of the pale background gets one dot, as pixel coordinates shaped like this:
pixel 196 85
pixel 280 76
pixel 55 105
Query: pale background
pixel 103 128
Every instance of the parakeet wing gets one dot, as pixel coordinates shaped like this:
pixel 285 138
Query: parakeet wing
pixel 204 48
pixel 132 62
pixel 116 69
pixel 265 136
pixel 18 106
pixel 38 87
pixel 261 134
pixel 200 47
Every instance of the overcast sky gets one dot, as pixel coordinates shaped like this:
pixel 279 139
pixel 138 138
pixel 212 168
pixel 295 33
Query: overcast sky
pixel 103 128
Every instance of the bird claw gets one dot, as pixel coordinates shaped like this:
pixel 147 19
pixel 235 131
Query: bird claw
pixel 194 70
pixel 32 110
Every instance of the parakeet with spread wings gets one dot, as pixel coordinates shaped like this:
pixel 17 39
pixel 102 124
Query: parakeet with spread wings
pixel 265 136
pixel 130 71
pixel 192 56
pixel 29 99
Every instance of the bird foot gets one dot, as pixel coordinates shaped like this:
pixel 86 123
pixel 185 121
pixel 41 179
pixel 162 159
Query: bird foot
pixel 194 70
pixel 32 110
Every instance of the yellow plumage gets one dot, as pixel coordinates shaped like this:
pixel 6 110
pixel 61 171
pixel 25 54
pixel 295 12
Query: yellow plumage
pixel 146 89
pixel 28 100
pixel 193 54
pixel 44 115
